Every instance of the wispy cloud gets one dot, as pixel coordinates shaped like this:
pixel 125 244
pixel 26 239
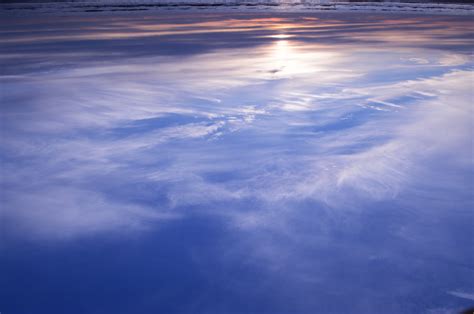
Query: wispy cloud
pixel 288 119
pixel 463 295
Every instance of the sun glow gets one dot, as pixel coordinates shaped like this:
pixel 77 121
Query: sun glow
pixel 288 58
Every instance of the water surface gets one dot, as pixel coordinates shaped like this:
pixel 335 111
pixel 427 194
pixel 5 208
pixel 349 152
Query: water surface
pixel 237 163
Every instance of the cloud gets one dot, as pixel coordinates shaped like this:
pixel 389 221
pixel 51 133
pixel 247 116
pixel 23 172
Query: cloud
pixel 61 213
pixel 453 59
pixel 221 126
pixel 463 295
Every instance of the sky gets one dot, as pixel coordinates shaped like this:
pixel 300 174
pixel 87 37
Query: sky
pixel 236 163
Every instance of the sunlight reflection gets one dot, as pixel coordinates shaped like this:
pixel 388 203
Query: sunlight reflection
pixel 280 86
pixel 289 58
pixel 297 150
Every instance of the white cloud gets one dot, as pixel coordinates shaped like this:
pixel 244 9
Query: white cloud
pixel 61 213
pixel 277 101
pixel 462 295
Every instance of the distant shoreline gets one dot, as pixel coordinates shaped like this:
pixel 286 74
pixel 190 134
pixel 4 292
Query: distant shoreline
pixel 213 2
pixel 15 7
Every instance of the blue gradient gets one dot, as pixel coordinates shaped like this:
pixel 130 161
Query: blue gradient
pixel 237 163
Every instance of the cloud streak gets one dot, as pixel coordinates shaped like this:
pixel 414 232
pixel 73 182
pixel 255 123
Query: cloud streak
pixel 302 120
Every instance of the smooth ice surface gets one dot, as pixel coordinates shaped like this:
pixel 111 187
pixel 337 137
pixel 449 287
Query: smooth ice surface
pixel 236 163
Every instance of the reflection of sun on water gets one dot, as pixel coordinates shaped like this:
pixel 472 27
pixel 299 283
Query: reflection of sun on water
pixel 282 53
pixel 288 59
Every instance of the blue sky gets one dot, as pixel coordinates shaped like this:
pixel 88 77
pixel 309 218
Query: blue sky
pixel 237 164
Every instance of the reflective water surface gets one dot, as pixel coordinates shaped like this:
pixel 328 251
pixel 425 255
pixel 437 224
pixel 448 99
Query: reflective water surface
pixel 237 163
